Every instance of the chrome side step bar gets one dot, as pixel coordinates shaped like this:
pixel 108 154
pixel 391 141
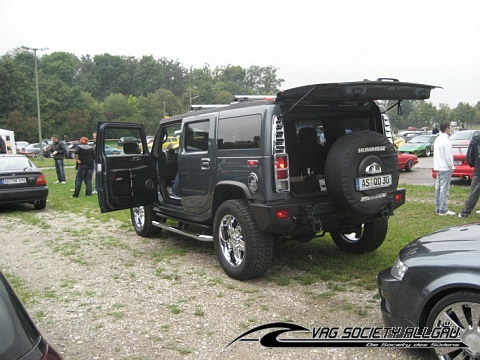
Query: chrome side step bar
pixel 175 230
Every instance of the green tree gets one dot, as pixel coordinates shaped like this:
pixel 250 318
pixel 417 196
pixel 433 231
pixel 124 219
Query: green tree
pixel 117 108
pixel 425 114
pixel 464 114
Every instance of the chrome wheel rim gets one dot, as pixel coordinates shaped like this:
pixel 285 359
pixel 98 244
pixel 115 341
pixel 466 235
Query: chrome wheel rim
pixel 465 317
pixel 231 239
pixel 139 216
pixel 354 236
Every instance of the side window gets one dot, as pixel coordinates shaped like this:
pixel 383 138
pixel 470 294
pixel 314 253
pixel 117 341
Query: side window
pixel 196 136
pixel 125 141
pixel 171 137
pixel 241 132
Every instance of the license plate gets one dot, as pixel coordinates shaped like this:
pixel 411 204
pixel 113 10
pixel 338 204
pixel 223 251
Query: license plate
pixel 457 162
pixel 14 181
pixel 373 182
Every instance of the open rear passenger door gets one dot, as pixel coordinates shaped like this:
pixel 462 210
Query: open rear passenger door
pixel 127 179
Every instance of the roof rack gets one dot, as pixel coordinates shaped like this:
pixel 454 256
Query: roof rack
pixel 205 106
pixel 243 98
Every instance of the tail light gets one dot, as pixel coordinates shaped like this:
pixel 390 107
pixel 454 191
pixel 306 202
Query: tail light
pixel 282 174
pixel 41 180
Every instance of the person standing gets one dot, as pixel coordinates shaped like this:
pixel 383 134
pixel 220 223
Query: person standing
pixel 473 158
pixel 443 166
pixel 59 150
pixel 84 158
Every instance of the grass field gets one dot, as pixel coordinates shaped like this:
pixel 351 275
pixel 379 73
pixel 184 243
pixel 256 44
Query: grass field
pixel 317 260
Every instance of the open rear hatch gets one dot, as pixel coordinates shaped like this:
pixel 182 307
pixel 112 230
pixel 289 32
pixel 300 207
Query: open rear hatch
pixel 381 89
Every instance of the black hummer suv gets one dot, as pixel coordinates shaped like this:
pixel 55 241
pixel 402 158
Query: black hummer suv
pixel 310 160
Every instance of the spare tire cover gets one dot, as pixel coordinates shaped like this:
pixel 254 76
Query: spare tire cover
pixel 362 157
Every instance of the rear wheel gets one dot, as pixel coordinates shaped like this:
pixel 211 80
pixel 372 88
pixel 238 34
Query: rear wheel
pixel 40 205
pixel 365 238
pixel 244 252
pixel 428 151
pixel 461 311
pixel 142 218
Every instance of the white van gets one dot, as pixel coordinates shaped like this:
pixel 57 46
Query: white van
pixel 9 137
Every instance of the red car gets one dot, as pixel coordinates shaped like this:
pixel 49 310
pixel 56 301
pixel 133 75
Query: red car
pixel 406 161
pixel 462 169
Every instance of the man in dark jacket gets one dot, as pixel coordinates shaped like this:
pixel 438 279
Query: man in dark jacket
pixel 85 159
pixel 473 158
pixel 58 150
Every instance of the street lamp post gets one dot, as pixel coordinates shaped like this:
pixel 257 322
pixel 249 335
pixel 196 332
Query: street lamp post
pixel 40 140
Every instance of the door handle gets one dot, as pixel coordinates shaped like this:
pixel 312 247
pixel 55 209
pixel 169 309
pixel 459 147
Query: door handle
pixel 205 163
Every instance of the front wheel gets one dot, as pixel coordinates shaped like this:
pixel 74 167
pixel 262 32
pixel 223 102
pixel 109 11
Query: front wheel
pixel 428 151
pixel 409 166
pixel 461 311
pixel 142 218
pixel 244 252
pixel 365 238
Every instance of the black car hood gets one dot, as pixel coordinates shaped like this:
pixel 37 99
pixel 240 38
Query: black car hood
pixel 453 244
pixel 355 91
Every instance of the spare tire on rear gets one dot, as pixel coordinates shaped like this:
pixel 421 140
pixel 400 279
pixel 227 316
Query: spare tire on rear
pixel 354 162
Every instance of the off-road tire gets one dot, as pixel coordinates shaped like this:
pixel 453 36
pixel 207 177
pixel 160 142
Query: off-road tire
pixel 243 251
pixel 368 237
pixel 348 160
pixel 142 218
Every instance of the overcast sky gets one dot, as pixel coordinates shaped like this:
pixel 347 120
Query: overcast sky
pixel 430 42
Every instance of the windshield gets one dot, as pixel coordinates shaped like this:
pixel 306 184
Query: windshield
pixel 461 135
pixel 420 139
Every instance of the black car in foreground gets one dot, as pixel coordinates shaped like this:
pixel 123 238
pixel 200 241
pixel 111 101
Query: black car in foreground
pixel 22 182
pixel 435 282
pixel 19 337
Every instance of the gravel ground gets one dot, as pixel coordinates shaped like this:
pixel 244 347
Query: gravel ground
pixel 101 292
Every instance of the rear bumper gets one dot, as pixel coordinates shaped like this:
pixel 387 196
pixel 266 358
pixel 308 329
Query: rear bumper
pixel 23 195
pixel 301 216
pixel 462 172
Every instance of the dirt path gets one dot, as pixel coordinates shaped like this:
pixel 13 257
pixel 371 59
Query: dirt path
pixel 101 292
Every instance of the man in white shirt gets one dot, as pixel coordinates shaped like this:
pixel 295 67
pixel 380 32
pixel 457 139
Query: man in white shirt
pixel 443 165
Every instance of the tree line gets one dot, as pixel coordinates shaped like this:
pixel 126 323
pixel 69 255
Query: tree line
pixel 76 93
